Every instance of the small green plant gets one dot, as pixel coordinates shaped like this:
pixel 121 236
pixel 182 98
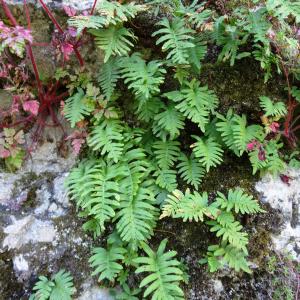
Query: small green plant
pixel 60 287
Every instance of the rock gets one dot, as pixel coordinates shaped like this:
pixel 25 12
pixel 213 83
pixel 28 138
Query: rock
pixel 286 199
pixel 91 292
pixel 28 230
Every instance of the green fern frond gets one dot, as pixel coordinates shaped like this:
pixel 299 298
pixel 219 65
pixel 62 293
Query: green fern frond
pixel 108 138
pixel 106 262
pixel 147 110
pixel 295 93
pixel 197 53
pixel 108 76
pixel 243 134
pixel 238 201
pixel 190 170
pixel 284 8
pixel 277 109
pixel 127 293
pixel 208 151
pixel 166 179
pixel 166 153
pixel 76 108
pixel 59 287
pixel 91 22
pixel 176 39
pixel 144 78
pixel 114 40
pixel 169 120
pixel 165 275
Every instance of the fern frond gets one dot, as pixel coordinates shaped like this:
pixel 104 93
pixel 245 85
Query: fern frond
pixel 167 153
pixel 114 40
pixel 176 39
pixel 107 137
pixel 166 179
pixel 91 22
pixel 243 134
pixel 197 53
pixel 106 262
pixel 147 110
pixel 238 201
pixel 283 8
pixel 76 108
pixel 43 288
pixel 277 109
pixel 165 275
pixel 169 120
pixel 144 78
pixel 108 76
pixel 190 170
pixel 208 151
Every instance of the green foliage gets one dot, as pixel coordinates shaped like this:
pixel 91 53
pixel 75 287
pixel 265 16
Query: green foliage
pixel 59 287
pixel 76 108
pixel 165 275
pixel 113 40
pixel 144 78
pixel 271 109
pixel 106 262
pixel 176 39
pixel 284 8
pixel 208 151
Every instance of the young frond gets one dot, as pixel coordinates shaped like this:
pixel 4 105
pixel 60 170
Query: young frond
pixel 114 40
pixel 190 170
pixel 76 108
pixel 108 138
pixel 238 201
pixel 106 262
pixel 166 153
pixel 163 282
pixel 59 287
pixel 176 39
pixel 277 109
pixel 208 151
pixel 143 78
pixel 108 76
pixel 170 120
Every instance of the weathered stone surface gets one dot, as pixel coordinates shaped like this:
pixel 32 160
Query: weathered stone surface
pixel 286 199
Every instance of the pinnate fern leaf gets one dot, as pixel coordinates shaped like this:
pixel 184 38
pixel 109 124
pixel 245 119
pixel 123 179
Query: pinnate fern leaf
pixel 272 109
pixel 208 151
pixel 165 275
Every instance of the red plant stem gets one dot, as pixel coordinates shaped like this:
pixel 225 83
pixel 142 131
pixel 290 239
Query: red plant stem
pixel 93 8
pixel 79 57
pixel 51 16
pixel 27 15
pixel 24 120
pixel 296 128
pixel 9 14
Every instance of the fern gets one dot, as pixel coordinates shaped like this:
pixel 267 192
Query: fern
pixel 295 93
pixel 76 108
pixel 190 170
pixel 108 76
pixel 284 8
pixel 197 53
pixel 229 230
pixel 167 153
pixel 106 262
pixel 114 40
pixel 176 39
pixel 195 102
pixel 243 134
pixel 208 151
pixel 144 78
pixel 146 111
pixel 107 137
pixel 165 274
pixel 238 201
pixel 59 287
pixel 127 293
pixel 277 109
pixel 166 179
pixel 220 255
pixel 137 214
pixel 82 22
pixel 170 120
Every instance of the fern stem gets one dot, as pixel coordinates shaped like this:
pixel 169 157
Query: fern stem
pixel 93 8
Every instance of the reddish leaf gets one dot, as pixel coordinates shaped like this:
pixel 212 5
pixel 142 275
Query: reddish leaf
pixel 31 106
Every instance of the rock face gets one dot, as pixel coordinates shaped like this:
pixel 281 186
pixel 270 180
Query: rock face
pixel 286 199
pixel 41 232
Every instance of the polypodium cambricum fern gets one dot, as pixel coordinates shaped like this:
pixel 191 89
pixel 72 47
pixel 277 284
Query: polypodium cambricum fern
pixel 277 109
pixel 165 275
